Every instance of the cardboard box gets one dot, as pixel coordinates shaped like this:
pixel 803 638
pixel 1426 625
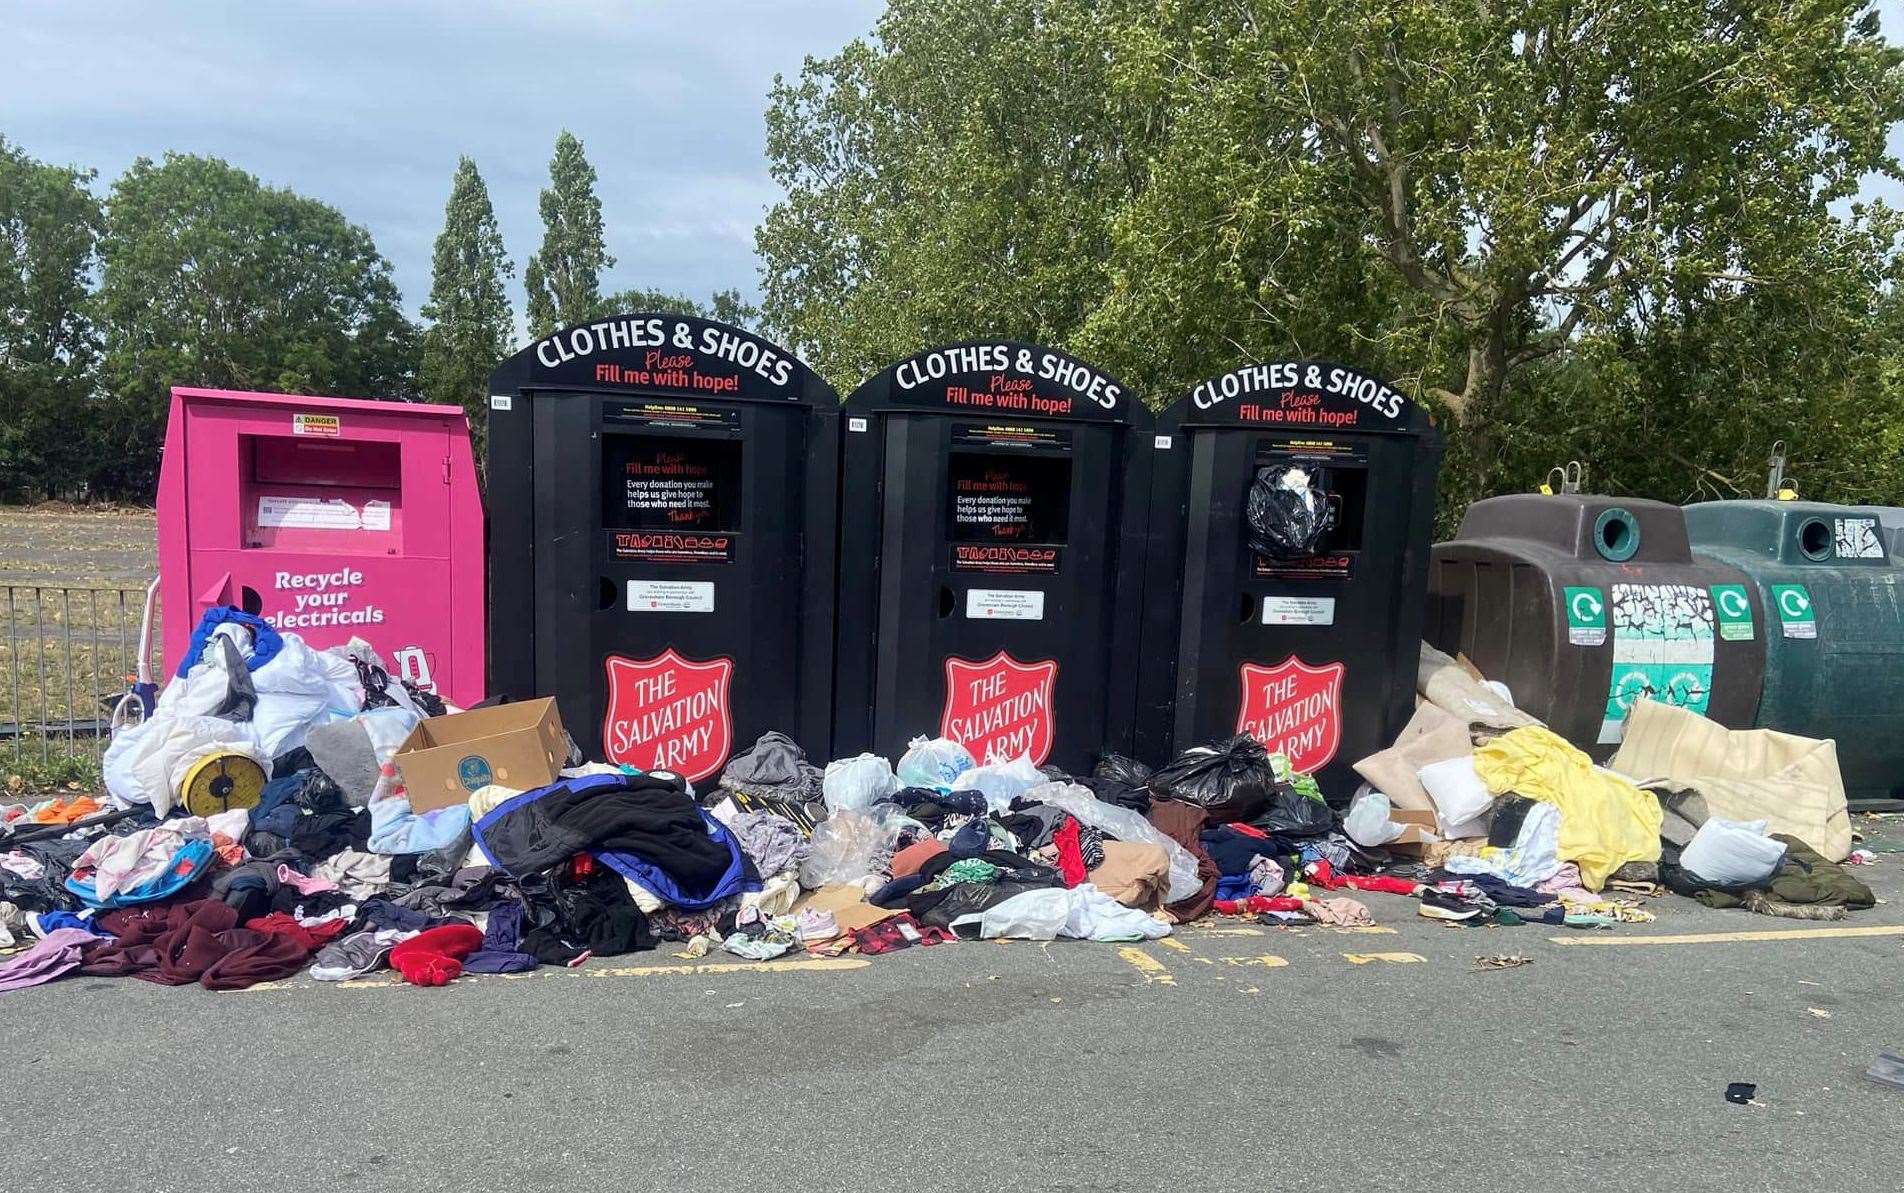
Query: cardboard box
pixel 515 745
pixel 1418 830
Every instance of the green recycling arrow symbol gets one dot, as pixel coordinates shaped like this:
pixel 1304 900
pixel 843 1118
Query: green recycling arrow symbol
pixel 1586 607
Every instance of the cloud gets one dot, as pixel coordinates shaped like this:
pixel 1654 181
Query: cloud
pixel 367 106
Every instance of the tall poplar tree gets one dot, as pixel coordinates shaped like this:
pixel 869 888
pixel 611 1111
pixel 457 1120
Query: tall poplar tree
pixel 564 276
pixel 470 321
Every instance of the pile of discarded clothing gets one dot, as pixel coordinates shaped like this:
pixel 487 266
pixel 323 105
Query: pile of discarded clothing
pixel 329 867
pixel 1487 795
pixel 1476 815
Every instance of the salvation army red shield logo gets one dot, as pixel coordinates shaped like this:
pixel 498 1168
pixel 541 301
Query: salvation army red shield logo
pixel 1000 709
pixel 1294 709
pixel 668 713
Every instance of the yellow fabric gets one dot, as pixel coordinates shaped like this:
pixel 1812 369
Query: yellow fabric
pixel 1605 821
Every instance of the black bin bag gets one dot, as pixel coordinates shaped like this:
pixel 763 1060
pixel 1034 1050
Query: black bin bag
pixel 1232 779
pixel 1286 513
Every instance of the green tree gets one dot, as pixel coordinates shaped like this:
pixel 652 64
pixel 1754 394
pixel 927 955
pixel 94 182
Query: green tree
pixel 564 276
pixel 956 175
pixel 727 306
pixel 1494 204
pixel 50 224
pixel 471 325
pixel 212 278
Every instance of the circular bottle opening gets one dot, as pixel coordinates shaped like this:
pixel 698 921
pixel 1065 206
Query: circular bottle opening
pixel 1814 539
pixel 1616 535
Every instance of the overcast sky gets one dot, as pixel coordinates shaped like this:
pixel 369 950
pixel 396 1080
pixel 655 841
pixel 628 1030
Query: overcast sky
pixel 366 104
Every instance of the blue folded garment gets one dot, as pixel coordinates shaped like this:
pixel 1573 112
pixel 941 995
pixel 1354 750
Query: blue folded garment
pixel 188 863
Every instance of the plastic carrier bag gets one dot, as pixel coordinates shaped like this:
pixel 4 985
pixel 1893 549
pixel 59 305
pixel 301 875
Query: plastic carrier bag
pixel 934 763
pixel 856 784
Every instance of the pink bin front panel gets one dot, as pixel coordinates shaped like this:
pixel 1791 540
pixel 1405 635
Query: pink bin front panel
pixel 344 518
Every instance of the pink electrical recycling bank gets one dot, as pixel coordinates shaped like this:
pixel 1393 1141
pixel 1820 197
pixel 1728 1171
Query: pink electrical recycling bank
pixel 335 518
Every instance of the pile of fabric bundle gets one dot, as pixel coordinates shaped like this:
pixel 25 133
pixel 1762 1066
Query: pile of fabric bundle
pixel 1499 805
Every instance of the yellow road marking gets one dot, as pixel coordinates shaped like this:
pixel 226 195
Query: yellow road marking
pixel 1236 931
pixel 1152 969
pixel 811 963
pixel 1267 961
pixel 1367 930
pixel 1391 958
pixel 1171 942
pixel 1722 937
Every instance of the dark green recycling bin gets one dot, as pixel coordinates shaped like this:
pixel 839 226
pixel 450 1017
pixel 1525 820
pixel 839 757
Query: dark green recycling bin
pixel 1585 604
pixel 1832 586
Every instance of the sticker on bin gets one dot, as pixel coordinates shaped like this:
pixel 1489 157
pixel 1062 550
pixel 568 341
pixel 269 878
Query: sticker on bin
pixel 671 596
pixel 1004 604
pixel 327 425
pixel 311 513
pixel 1284 610
pixel 1796 616
pixel 321 513
pixel 1734 609
pixel 1586 617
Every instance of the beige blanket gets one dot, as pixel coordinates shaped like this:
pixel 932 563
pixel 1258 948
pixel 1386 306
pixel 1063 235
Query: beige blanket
pixel 1741 774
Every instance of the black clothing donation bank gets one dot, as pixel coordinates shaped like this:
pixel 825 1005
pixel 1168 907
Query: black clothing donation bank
pixel 991 544
pixel 1291 514
pixel 662 495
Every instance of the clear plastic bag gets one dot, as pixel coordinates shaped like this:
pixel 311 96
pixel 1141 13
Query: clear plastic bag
pixel 856 784
pixel 1367 823
pixel 847 847
pixel 934 763
pixel 1000 783
pixel 1125 825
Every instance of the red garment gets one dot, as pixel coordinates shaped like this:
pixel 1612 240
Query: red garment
pixel 1071 865
pixel 1256 905
pixel 434 957
pixel 1379 882
pixel 1248 830
pixel 1322 874
pixel 198 941
pixel 900 932
pixel 310 939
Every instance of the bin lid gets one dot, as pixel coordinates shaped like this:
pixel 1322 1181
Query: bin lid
pixel 1000 379
pixel 1583 526
pixel 663 352
pixel 1797 533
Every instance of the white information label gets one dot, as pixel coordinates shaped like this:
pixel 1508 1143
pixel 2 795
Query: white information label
pixel 1004 604
pixel 856 425
pixel 308 513
pixel 376 515
pixel 502 401
pixel 671 596
pixel 1288 610
pixel 1161 443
